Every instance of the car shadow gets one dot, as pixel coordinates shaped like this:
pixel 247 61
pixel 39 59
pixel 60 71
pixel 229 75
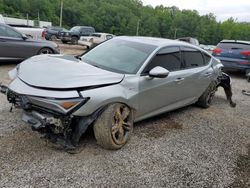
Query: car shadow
pixel 236 74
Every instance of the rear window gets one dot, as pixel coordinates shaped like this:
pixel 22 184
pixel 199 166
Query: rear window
pixel 96 35
pixel 234 45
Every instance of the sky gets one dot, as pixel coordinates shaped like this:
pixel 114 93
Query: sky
pixel 222 9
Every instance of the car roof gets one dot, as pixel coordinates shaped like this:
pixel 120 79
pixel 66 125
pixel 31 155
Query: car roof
pixel 159 42
pixel 85 27
pixel 103 33
pixel 235 41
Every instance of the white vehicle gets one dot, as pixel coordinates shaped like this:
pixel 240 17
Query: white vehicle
pixel 2 19
pixel 35 33
pixel 94 39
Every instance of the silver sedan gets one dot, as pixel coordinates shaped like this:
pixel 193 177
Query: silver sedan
pixel 119 82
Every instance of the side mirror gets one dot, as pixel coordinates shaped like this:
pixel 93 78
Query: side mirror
pixel 158 72
pixel 24 37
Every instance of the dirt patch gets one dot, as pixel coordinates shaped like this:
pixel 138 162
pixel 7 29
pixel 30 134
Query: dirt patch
pixel 158 128
pixel 71 49
pixel 242 171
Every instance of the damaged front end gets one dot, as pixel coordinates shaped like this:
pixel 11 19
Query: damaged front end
pixel 53 117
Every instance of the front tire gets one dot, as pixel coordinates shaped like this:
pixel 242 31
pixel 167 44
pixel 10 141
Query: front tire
pixel 74 40
pixel 45 51
pixel 114 126
pixel 206 98
pixel 53 37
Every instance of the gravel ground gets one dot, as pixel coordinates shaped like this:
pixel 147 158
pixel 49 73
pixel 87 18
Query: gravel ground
pixel 188 147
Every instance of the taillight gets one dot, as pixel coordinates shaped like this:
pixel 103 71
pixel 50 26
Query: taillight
pixel 245 53
pixel 244 63
pixel 217 51
pixel 43 34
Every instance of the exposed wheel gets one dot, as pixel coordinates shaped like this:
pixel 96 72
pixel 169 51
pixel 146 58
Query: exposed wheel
pixel 74 40
pixel 53 37
pixel 114 126
pixel 206 98
pixel 45 51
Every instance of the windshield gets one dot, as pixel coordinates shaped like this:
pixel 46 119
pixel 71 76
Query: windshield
pixel 119 55
pixel 76 28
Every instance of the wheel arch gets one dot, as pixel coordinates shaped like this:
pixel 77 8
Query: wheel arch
pixel 75 36
pixel 85 110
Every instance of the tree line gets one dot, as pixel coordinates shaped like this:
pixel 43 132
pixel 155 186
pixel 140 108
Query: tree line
pixel 122 17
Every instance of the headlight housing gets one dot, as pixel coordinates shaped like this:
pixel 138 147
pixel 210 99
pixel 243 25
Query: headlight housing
pixel 63 106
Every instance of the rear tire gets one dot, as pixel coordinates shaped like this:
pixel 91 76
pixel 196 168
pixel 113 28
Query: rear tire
pixel 114 126
pixel 206 98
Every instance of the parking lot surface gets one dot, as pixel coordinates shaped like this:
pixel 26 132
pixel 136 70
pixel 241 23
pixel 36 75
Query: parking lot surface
pixel 188 147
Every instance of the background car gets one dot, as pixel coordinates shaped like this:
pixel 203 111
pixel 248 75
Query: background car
pixel 75 33
pixel 17 46
pixel 95 39
pixel 52 33
pixel 190 40
pixel 121 81
pixel 208 48
pixel 234 54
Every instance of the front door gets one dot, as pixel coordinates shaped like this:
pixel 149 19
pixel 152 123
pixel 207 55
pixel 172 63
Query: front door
pixel 158 95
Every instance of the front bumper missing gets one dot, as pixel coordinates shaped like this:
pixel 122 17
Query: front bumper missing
pixel 64 130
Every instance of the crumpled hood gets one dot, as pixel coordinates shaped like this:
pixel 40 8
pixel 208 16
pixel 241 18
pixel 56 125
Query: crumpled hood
pixel 64 72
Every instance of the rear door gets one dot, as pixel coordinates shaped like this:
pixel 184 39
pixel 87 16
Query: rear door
pixel 198 71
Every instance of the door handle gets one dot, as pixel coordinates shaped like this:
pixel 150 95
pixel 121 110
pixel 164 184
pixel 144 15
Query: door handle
pixel 179 80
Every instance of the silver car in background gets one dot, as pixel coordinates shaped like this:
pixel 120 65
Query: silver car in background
pixel 121 81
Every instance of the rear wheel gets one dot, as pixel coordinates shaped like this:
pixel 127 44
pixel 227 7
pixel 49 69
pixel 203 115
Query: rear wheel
pixel 114 126
pixel 74 40
pixel 45 51
pixel 206 98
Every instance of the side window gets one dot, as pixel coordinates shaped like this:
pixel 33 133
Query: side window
pixel 3 32
pixel 13 33
pixel 83 30
pixel 207 58
pixel 8 32
pixel 192 57
pixel 168 58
